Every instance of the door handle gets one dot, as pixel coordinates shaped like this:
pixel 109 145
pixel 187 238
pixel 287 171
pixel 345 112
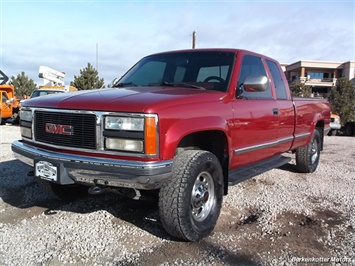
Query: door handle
pixel 275 111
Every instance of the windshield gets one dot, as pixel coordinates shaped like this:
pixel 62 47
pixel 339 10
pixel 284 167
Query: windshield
pixel 200 69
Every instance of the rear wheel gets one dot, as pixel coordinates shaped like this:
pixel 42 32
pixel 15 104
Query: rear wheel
pixel 307 158
pixel 190 203
pixel 62 192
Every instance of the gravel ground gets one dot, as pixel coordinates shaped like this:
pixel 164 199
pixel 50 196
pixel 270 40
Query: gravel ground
pixel 278 218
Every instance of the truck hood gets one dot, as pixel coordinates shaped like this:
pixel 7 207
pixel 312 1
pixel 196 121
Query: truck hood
pixel 130 99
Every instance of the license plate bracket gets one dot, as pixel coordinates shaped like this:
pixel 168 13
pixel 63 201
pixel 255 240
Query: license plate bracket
pixel 46 170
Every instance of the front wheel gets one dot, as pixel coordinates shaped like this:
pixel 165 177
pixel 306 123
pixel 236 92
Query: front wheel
pixel 307 158
pixel 190 203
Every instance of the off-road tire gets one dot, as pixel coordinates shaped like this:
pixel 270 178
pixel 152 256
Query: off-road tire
pixel 190 203
pixel 307 157
pixel 62 192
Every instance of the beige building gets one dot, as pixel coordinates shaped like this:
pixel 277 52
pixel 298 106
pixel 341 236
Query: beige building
pixel 319 75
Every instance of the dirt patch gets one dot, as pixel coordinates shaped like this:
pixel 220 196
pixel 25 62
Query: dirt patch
pixel 293 234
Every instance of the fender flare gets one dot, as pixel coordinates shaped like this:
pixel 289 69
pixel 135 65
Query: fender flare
pixel 184 127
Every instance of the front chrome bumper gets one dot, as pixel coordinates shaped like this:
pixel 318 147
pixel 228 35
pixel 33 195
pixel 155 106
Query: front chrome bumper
pixel 98 171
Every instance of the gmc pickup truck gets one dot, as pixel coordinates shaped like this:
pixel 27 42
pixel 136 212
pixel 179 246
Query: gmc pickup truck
pixel 181 125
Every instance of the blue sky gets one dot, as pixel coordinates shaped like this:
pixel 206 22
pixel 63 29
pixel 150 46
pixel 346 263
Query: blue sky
pixel 113 35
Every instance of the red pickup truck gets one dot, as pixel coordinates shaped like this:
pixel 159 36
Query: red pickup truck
pixel 183 125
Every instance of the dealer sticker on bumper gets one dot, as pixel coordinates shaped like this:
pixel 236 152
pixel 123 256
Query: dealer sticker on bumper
pixel 46 170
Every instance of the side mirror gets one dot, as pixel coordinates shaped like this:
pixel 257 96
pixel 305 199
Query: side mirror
pixel 255 83
pixel 114 81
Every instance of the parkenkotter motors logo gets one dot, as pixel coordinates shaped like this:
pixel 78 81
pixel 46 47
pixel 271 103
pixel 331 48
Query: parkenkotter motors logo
pixel 323 260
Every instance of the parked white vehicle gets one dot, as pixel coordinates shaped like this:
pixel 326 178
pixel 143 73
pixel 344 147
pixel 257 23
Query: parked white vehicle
pixel 335 124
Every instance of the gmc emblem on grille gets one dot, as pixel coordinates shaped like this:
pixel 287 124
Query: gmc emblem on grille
pixel 59 129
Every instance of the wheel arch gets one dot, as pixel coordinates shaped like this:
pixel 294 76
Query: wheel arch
pixel 210 133
pixel 214 141
pixel 320 127
pixel 178 133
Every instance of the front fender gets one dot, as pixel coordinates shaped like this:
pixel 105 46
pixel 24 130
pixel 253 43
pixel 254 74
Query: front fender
pixel 171 138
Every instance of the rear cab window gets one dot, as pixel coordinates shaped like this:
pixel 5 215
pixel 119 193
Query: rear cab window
pixel 278 80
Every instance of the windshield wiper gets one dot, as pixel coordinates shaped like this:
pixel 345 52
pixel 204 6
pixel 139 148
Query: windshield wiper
pixel 122 84
pixel 177 84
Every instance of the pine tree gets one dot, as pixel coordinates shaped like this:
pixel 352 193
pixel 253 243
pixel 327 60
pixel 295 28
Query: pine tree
pixel 342 100
pixel 88 79
pixel 23 85
pixel 301 90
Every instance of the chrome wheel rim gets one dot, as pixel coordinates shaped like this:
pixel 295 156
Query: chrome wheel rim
pixel 202 196
pixel 314 151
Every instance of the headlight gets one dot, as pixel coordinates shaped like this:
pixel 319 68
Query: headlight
pixel 131 134
pixel 124 144
pixel 124 123
pixel 26 115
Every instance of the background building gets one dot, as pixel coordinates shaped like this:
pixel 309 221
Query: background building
pixel 319 75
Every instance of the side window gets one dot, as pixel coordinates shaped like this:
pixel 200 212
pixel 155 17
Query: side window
pixel 4 97
pixel 278 81
pixel 253 66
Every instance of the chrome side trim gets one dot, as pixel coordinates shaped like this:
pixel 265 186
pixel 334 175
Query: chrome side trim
pixel 262 146
pixel 301 136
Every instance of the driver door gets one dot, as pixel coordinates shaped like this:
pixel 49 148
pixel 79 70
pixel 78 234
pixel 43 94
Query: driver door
pixel 256 122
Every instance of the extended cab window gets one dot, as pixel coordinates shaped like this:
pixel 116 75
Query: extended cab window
pixel 252 66
pixel 278 80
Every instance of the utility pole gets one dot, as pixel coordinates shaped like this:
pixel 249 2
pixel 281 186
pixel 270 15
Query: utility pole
pixel 97 57
pixel 193 39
